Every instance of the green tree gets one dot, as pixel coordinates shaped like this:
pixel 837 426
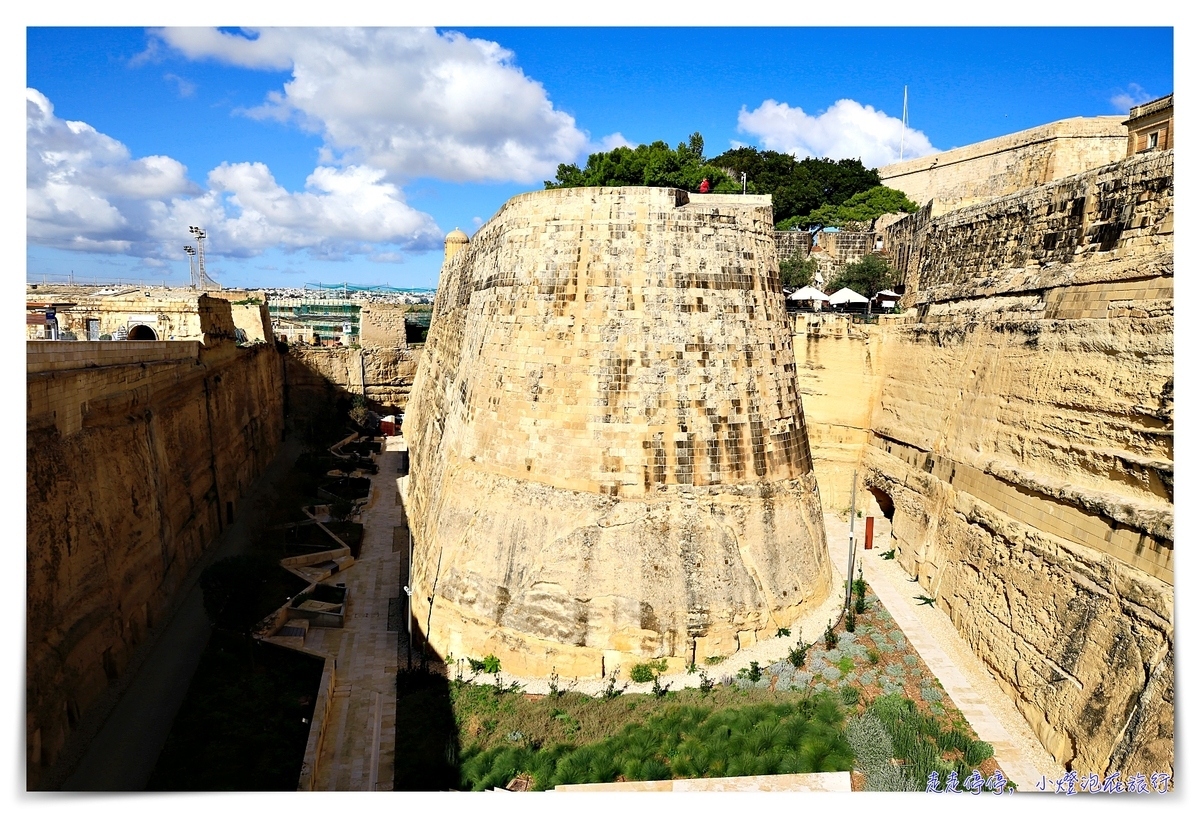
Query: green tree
pixel 795 271
pixel 653 165
pixel 797 187
pixel 866 276
pixel 865 206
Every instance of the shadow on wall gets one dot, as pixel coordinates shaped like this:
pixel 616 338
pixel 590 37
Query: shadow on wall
pixel 314 406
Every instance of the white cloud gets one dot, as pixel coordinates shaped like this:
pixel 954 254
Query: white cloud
pixel 1134 95
pixel 186 88
pixel 611 142
pixel 409 100
pixel 85 192
pixel 847 130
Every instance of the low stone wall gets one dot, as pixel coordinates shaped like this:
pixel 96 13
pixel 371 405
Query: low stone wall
pixel 320 723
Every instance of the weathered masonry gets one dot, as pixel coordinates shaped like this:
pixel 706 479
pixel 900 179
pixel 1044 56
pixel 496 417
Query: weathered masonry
pixel 137 455
pixel 1022 442
pixel 609 458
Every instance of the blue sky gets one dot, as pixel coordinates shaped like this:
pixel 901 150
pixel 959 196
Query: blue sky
pixel 340 155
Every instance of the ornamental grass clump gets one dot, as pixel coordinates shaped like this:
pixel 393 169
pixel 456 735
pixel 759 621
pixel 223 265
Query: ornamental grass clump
pixel 682 742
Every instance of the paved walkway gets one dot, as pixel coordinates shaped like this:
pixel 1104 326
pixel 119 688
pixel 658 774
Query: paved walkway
pixel 359 748
pixel 933 636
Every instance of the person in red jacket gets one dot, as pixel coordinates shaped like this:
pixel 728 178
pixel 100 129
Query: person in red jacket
pixel 704 186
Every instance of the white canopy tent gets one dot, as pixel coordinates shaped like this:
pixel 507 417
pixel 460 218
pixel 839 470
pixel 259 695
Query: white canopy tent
pixel 808 294
pixel 847 296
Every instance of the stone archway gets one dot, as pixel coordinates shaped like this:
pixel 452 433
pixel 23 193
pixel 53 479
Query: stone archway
pixel 141 332
pixel 884 500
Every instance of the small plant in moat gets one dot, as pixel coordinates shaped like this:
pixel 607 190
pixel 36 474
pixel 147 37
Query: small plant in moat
pixel 830 636
pixel 647 671
pixel 851 620
pixel 798 654
pixel 706 683
pixel 860 593
pixel 611 691
pixel 753 673
pixel 783 632
pixel 889 555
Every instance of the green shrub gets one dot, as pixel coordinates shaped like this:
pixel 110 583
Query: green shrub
pixel 714 660
pixel 845 664
pixel 830 636
pixel 797 655
pixel 647 671
pixel 753 673
pixel 783 632
pixel 850 694
pixel 851 620
pixel 491 664
pixel 977 752
pixel 873 656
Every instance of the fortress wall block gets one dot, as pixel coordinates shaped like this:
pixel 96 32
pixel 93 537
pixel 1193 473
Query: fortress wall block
pixel 1009 164
pixel 1023 440
pixel 609 457
pixel 133 467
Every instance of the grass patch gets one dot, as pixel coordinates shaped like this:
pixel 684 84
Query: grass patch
pixel 573 739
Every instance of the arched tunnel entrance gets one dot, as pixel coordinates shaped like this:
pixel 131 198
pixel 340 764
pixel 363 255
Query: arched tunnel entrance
pixel 141 332
pixel 884 500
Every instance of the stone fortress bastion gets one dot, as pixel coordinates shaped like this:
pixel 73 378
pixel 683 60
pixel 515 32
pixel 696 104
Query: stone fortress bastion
pixel 609 458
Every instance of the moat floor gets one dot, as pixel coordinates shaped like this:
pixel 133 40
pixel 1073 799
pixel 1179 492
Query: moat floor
pixel 360 738
pixel 963 676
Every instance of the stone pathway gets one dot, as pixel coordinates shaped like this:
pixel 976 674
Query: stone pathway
pixel 931 633
pixel 360 738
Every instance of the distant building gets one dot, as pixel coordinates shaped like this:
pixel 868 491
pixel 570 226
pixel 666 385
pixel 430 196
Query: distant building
pixel 1152 125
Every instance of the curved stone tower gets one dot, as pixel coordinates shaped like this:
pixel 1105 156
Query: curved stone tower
pixel 609 458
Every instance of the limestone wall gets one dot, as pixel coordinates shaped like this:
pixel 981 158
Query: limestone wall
pixel 1009 164
pixel 838 374
pixel 132 469
pixel 178 314
pixel 383 325
pixel 384 375
pixel 609 458
pixel 1023 439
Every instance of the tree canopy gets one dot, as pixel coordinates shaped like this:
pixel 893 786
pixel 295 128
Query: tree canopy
pixel 798 187
pixel 654 165
pixel 804 192
pixel 795 271
pixel 861 207
pixel 867 276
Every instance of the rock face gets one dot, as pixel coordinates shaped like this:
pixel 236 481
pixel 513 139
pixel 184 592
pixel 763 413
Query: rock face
pixel 1022 442
pixel 609 458
pixel 137 456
